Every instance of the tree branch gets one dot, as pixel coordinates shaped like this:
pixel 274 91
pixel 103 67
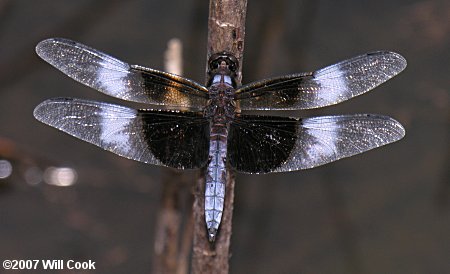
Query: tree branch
pixel 226 31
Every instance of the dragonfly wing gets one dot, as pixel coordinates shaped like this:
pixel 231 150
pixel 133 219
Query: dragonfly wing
pixel 119 79
pixel 262 144
pixel 327 86
pixel 167 138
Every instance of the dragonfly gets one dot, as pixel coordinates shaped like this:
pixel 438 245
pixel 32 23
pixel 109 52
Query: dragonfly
pixel 194 126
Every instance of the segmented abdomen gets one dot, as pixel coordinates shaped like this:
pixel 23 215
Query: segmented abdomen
pixel 215 179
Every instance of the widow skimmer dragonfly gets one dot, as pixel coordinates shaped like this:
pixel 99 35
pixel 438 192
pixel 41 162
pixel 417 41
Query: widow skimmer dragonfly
pixel 210 131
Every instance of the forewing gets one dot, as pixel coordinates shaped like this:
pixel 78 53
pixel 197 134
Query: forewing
pixel 118 79
pixel 262 144
pixel 327 86
pixel 167 138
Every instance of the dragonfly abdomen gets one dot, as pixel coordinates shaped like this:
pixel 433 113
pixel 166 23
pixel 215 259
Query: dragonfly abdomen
pixel 216 179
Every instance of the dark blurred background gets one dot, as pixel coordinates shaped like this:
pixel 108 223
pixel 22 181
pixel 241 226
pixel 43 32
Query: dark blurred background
pixel 385 211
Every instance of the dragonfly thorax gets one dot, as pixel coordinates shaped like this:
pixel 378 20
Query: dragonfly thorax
pixel 221 106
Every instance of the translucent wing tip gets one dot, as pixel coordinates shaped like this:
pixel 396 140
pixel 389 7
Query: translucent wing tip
pixel 395 128
pixel 395 60
pixel 41 47
pixel 45 48
pixel 400 130
pixel 41 111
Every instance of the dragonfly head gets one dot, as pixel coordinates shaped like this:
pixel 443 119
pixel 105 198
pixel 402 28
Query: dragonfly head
pixel 224 63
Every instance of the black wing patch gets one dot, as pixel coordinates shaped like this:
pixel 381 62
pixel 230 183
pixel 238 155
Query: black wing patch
pixel 167 138
pixel 262 144
pixel 327 86
pixel 119 79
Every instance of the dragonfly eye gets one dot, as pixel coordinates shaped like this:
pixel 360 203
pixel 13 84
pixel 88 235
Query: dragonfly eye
pixel 232 66
pixel 214 64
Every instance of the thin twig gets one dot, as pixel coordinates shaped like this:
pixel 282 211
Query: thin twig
pixel 167 225
pixel 226 30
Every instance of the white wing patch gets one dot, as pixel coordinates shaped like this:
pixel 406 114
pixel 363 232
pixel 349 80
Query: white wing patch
pixel 114 132
pixel 333 83
pixel 325 146
pixel 112 78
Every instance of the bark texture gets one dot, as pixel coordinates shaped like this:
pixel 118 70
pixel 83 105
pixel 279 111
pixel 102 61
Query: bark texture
pixel 226 31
